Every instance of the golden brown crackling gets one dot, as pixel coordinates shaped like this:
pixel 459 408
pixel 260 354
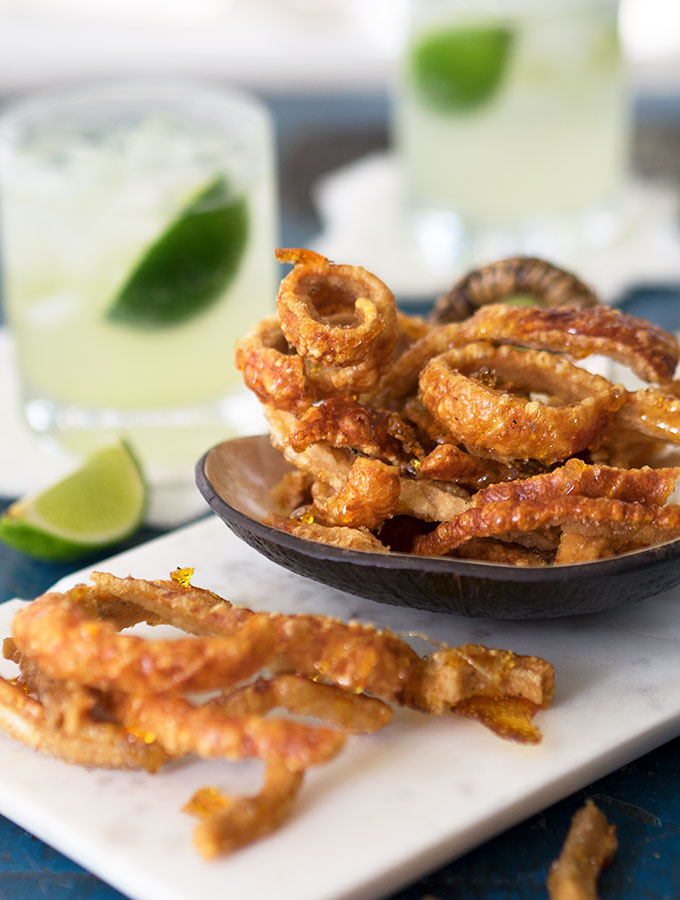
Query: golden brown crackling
pixel 456 674
pixel 446 462
pixel 369 496
pixel 343 422
pixel 589 847
pixel 334 535
pixel 577 548
pixel 68 643
pixel 648 350
pixel 355 656
pixel 352 713
pixel 652 412
pixel 547 283
pixel 645 485
pixel 330 465
pixel 621 521
pixel 497 551
pixel 270 370
pixel 315 296
pixel 210 732
pixel 103 744
pixel 242 820
pixel 506 427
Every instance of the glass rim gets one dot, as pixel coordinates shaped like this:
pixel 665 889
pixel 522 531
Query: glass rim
pixel 36 105
pixel 235 118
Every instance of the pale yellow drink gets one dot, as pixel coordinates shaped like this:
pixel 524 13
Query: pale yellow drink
pixel 85 193
pixel 529 135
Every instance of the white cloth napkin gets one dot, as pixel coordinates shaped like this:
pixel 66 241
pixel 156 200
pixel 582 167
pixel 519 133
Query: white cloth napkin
pixel 363 224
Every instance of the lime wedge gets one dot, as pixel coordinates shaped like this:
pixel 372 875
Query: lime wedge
pixel 183 272
pixel 98 505
pixel 458 69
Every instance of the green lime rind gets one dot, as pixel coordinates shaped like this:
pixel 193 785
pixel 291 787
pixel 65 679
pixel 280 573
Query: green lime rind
pixel 190 265
pixel 33 542
pixel 522 300
pixel 100 504
pixel 459 69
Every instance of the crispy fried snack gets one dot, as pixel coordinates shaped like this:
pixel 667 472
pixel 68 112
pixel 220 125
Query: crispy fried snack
pixel 649 351
pixel 447 462
pixel 271 369
pixel 104 744
pixel 227 824
pixel 210 732
pixel 646 485
pixel 335 536
pixel 65 641
pixel 335 315
pixel 369 496
pixel 485 403
pixel 342 422
pixel 331 466
pixel 504 426
pixel 90 695
pixel 354 656
pixel 652 412
pixel 623 523
pixel 500 280
pixel 589 847
pixel 353 713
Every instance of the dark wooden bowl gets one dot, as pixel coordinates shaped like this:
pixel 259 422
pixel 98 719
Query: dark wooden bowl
pixel 236 477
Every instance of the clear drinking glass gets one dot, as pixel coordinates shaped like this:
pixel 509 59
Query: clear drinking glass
pixel 511 124
pixel 138 229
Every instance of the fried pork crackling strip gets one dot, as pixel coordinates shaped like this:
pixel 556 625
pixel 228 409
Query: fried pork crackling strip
pixel 343 422
pixel 499 280
pixel 65 641
pixel 333 535
pixel 331 465
pixel 652 412
pixel 271 369
pixel 504 426
pixel 227 824
pixel 590 846
pixel 499 400
pixel 369 495
pixel 103 744
pixel 645 485
pixel 648 350
pixel 354 656
pixel 76 666
pixel 623 523
pixel 335 315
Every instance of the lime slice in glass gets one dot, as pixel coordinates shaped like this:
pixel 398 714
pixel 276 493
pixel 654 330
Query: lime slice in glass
pixel 98 505
pixel 190 265
pixel 459 69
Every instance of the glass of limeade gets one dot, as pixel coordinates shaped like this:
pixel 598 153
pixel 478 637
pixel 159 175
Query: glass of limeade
pixel 511 124
pixel 138 229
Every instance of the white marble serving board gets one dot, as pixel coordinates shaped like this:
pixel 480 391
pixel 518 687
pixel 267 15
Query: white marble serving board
pixel 391 806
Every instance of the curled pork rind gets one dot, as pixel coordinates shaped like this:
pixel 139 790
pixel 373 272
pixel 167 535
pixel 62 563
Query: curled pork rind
pixel 393 419
pixel 521 275
pixel 90 695
pixel 589 846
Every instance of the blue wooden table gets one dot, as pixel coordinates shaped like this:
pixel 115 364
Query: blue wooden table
pixel 641 799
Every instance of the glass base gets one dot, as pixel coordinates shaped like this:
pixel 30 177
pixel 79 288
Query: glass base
pixel 168 442
pixel 445 244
